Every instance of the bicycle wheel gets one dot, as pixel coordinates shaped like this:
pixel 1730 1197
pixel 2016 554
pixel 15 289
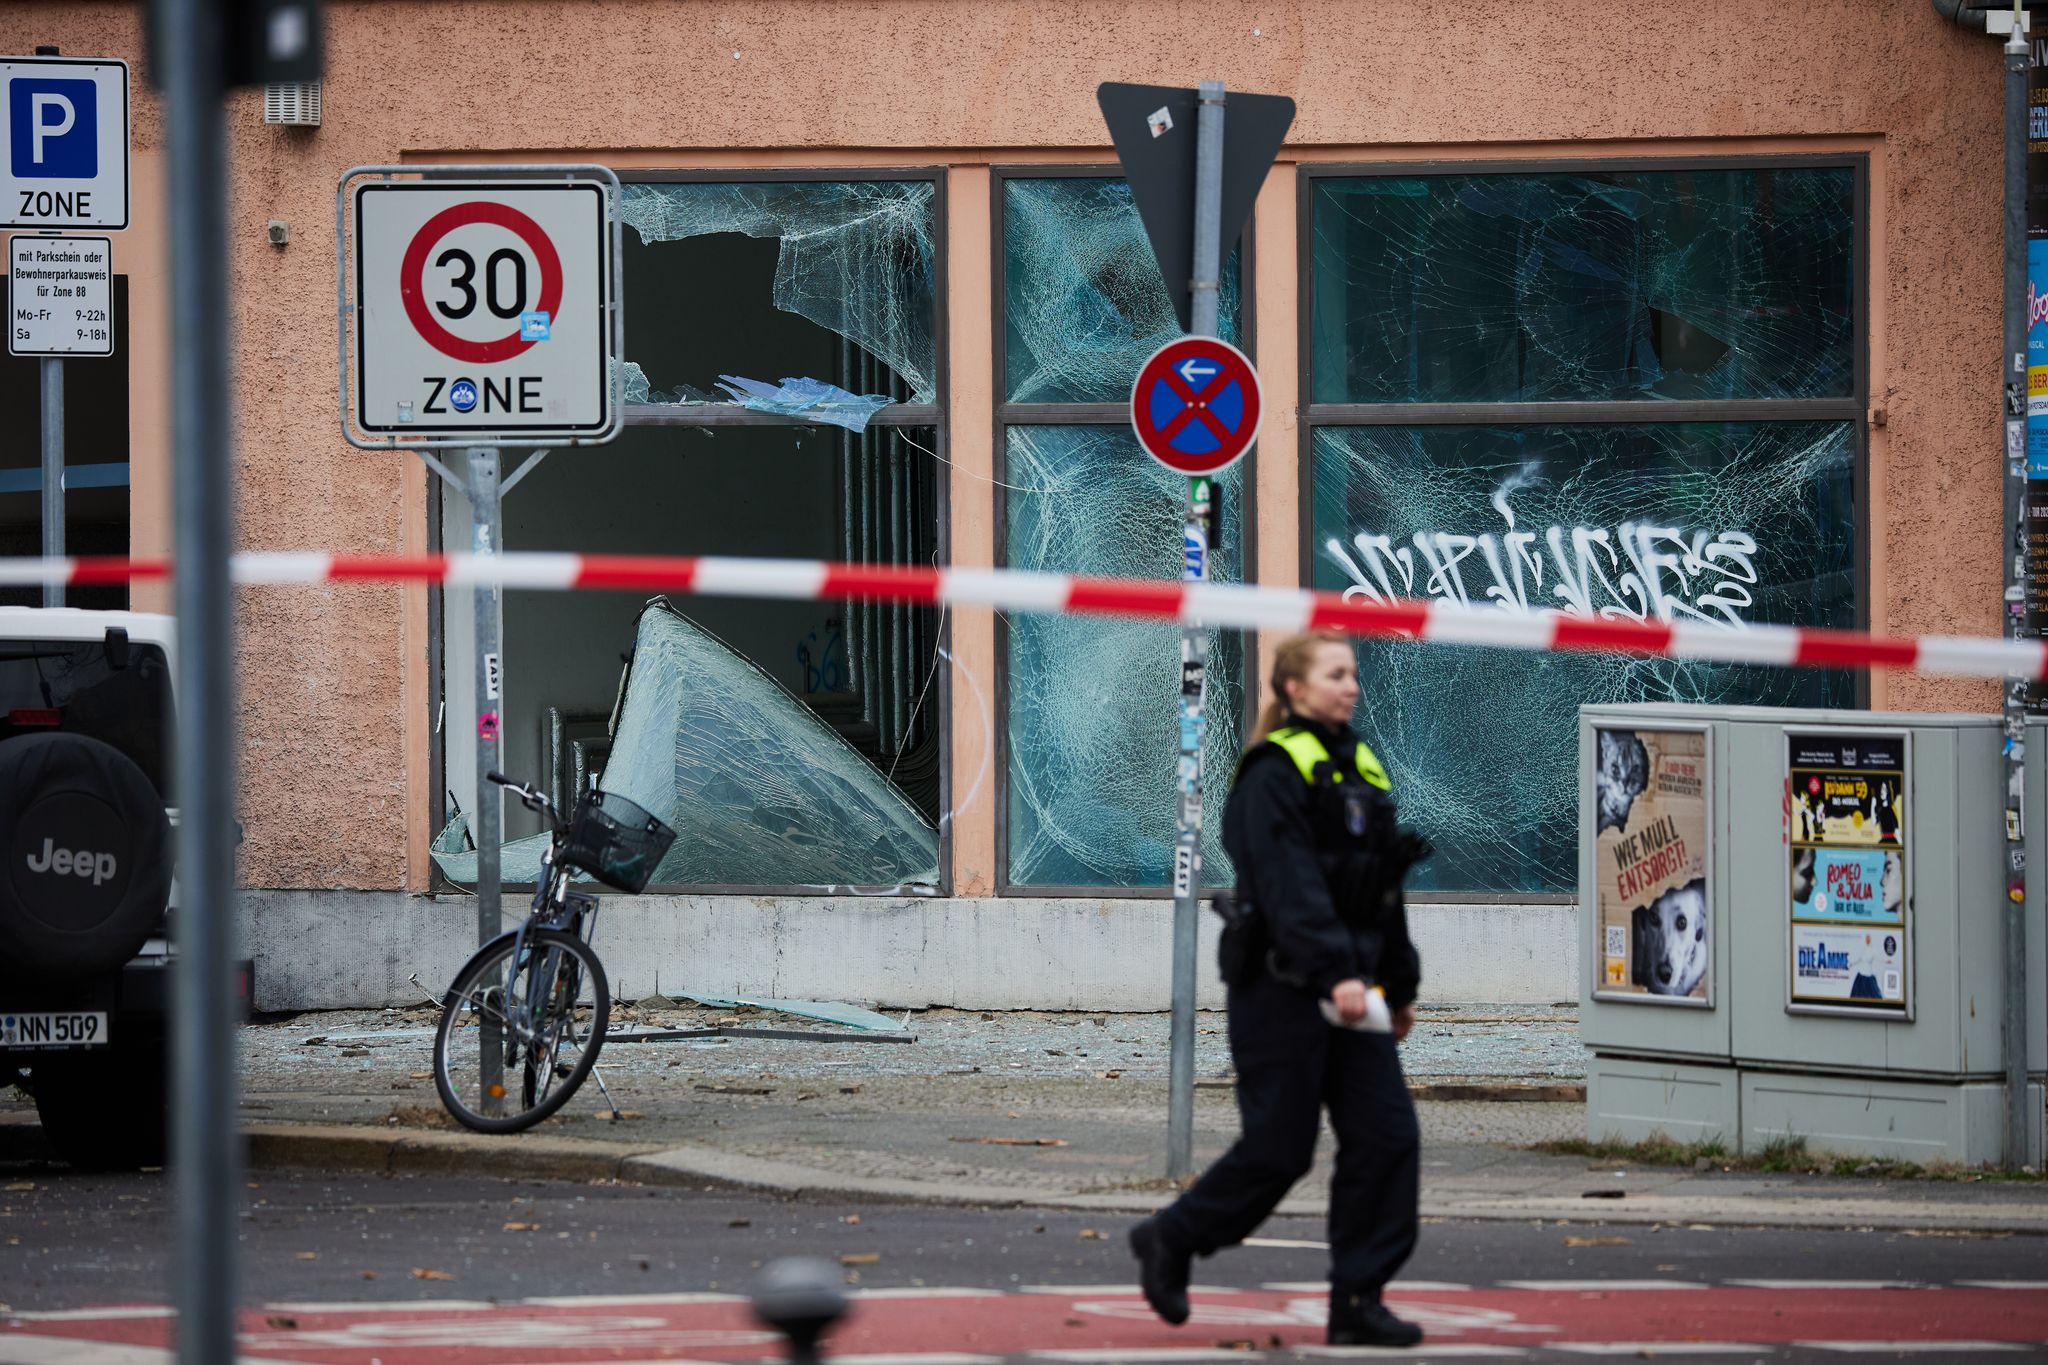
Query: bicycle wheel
pixel 542 1018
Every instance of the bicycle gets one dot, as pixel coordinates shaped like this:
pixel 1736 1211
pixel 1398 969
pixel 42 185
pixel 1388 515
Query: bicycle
pixel 533 1003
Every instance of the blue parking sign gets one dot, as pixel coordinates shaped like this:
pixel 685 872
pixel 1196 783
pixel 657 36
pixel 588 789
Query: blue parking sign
pixel 54 129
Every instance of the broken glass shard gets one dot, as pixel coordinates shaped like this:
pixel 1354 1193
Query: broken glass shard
pixel 812 399
pixel 759 790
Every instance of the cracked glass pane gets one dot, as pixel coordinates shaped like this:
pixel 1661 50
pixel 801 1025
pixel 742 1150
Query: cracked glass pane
pixel 758 787
pixel 1597 285
pixel 1083 303
pixel 1094 735
pixel 1723 523
pixel 849 265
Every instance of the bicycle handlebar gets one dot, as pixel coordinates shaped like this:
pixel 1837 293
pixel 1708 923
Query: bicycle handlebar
pixel 530 797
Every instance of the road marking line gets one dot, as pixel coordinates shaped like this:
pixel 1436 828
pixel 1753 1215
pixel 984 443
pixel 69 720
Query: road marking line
pixel 2004 1284
pixel 19 1349
pixel 123 1314
pixel 1284 1244
pixel 385 1306
pixel 1164 1355
pixel 1398 1286
pixel 621 1300
pixel 1828 1284
pixel 1652 1348
pixel 1902 1347
pixel 935 1358
pixel 1412 1352
pixel 1098 1290
pixel 1591 1286
pixel 920 1292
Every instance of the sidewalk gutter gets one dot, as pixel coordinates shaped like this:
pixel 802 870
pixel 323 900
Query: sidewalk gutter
pixel 278 1145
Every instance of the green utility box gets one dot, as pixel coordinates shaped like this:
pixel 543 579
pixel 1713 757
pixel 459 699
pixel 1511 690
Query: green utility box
pixel 1793 926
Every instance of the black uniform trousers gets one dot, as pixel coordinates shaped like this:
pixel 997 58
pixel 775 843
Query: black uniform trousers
pixel 1290 1064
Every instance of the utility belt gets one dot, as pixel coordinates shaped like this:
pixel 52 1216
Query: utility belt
pixel 1245 950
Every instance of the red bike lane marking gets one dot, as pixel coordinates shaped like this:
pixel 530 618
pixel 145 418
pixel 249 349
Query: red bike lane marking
pixel 1017 1324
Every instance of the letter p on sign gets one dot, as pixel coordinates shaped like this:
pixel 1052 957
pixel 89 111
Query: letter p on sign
pixel 55 126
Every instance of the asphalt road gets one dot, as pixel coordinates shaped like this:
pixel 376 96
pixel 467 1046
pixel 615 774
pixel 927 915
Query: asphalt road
pixel 75 1242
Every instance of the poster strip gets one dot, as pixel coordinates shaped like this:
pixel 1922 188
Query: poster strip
pixel 1849 892
pixel 1652 792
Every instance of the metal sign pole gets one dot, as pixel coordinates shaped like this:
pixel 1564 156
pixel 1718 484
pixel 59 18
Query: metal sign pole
pixel 205 1150
pixel 53 471
pixel 2015 768
pixel 1194 656
pixel 485 539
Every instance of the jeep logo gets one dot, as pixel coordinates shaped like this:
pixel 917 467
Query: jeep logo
pixel 65 863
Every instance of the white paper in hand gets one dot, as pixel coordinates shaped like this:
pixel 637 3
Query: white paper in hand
pixel 1376 1019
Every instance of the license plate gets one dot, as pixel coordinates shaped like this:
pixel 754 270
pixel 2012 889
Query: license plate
pixel 57 1028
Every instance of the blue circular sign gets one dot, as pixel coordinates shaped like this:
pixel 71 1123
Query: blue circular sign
pixel 462 395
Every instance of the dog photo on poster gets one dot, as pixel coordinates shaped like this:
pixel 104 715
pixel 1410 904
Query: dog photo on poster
pixel 1650 791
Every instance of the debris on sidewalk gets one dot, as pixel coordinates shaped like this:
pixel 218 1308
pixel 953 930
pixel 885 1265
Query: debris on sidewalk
pixel 1013 1141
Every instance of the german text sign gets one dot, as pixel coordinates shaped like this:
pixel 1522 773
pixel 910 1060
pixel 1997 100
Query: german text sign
pixel 482 307
pixel 1196 405
pixel 60 296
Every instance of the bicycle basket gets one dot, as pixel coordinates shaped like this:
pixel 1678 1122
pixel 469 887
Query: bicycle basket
pixel 615 841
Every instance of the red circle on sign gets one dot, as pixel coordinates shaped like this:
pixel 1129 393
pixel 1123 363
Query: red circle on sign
pixel 412 278
pixel 1196 405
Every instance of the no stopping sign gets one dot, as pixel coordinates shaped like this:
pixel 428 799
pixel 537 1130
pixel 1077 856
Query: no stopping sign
pixel 483 308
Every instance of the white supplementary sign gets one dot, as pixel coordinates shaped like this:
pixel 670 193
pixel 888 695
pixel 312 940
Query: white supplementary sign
pixel 482 307
pixel 60 296
pixel 63 143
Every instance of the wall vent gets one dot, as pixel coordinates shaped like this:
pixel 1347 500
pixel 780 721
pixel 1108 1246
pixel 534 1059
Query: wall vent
pixel 295 102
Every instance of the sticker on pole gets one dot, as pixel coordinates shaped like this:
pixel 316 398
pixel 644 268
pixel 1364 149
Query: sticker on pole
pixel 1196 405
pixel 483 308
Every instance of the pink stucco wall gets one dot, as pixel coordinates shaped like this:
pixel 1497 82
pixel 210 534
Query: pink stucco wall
pixel 333 695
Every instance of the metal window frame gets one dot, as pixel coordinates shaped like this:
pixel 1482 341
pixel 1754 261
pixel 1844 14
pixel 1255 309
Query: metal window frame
pixel 1112 414
pixel 1855 408
pixel 933 415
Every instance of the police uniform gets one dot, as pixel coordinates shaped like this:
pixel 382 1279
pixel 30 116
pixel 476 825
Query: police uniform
pixel 1309 824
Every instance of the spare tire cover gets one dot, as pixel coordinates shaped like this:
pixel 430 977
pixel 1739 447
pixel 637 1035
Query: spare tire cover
pixel 85 857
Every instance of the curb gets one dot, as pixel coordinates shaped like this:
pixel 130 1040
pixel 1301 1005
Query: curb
pixel 584 1159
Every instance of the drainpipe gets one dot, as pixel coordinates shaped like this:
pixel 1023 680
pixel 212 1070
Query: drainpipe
pixel 1960 15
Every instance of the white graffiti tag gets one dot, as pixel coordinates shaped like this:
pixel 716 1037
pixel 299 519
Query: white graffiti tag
pixel 1639 570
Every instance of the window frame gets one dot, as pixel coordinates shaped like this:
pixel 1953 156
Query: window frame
pixel 1853 409
pixel 1113 414
pixel 933 415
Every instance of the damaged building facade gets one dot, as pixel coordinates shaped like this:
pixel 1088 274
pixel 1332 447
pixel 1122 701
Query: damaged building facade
pixel 1661 311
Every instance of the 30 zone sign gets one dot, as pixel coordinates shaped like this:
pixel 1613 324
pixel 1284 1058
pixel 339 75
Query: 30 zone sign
pixel 483 307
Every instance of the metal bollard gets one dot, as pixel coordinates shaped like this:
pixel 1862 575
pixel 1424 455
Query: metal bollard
pixel 800 1297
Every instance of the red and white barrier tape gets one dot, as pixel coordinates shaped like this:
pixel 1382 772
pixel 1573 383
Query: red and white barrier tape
pixel 1212 604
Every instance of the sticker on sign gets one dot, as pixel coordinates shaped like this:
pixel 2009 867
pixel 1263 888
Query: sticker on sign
pixel 484 307
pixel 60 296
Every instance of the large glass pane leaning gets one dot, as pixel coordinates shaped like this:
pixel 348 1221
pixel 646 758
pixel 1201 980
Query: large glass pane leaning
pixel 1083 304
pixel 827 281
pixel 1584 286
pixel 1094 735
pixel 1727 524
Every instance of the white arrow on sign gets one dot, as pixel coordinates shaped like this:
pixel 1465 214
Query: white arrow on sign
pixel 1191 367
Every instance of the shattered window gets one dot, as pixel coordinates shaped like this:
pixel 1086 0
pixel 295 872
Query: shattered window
pixel 1594 285
pixel 1082 302
pixel 849 271
pixel 1728 524
pixel 1590 292
pixel 1092 705
pixel 1094 733
pixel 783 357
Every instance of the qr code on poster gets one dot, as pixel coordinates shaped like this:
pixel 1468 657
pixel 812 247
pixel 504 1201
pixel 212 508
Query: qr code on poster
pixel 1617 941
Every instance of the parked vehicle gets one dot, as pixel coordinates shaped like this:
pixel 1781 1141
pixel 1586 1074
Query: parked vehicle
pixel 87 721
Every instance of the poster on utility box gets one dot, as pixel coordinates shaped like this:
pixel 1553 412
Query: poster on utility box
pixel 1650 795
pixel 1847 818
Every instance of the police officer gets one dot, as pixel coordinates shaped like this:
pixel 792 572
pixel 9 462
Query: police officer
pixel 1310 826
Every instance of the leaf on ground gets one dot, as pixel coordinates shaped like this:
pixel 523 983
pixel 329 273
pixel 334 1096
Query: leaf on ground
pixel 849 1089
pixel 423 1075
pixel 851 1218
pixel 309 1255
pixel 740 1223
pixel 369 1274
pixel 1598 1242
pixel 522 1227
pixel 735 1089
pixel 281 1322
pixel 1107 1075
pixel 419 1273
pixel 1012 1141
pixel 19 1186
pixel 861 1258
pixel 623 1116
pixel 1091 1235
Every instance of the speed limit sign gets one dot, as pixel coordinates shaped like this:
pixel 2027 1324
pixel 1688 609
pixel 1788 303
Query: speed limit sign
pixel 484 310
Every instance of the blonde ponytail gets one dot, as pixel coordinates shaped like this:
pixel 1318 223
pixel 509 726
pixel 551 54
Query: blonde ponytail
pixel 1292 659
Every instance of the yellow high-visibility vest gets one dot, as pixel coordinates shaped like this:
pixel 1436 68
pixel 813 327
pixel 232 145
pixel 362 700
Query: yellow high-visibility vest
pixel 1307 750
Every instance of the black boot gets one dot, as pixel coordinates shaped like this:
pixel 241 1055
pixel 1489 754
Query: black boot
pixel 1162 1269
pixel 1360 1319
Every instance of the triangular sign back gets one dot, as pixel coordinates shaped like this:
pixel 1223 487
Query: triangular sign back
pixel 1153 129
